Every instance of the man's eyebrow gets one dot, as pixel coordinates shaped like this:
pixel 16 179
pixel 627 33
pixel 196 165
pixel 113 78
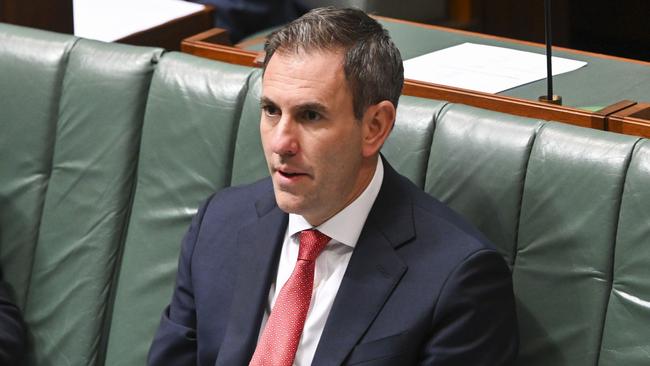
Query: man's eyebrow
pixel 264 101
pixel 310 106
pixel 314 106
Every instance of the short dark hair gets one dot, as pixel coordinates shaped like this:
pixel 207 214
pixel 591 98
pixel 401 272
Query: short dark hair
pixel 372 64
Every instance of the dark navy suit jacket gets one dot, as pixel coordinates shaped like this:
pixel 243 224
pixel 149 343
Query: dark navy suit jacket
pixel 422 286
pixel 12 329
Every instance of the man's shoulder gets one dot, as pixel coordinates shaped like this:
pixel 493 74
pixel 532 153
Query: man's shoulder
pixel 434 219
pixel 243 194
pixel 239 200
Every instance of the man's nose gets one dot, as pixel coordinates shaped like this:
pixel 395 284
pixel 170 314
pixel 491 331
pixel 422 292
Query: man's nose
pixel 285 139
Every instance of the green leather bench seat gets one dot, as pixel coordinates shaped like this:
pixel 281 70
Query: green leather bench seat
pixel 487 193
pixel 626 336
pixel 567 231
pixel 87 199
pixel 32 64
pixel 604 81
pixel 186 154
pixel 107 150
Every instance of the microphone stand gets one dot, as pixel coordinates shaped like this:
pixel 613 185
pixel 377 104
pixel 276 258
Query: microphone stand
pixel 549 97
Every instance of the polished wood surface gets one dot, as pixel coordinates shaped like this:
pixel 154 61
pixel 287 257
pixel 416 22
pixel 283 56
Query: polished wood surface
pixel 603 26
pixel 633 120
pixel 170 34
pixel 506 104
pixel 210 44
pixel 513 40
pixel 214 44
pixel 42 14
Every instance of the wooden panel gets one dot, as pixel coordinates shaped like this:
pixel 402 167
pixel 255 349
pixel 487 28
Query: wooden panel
pixel 505 104
pixel 521 19
pixel 169 35
pixel 513 40
pixel 43 14
pixel 212 44
pixel 634 120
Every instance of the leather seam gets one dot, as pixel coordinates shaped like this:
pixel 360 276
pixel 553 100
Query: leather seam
pixel 610 271
pixel 241 100
pixel 435 119
pixel 64 70
pixel 515 248
pixel 107 319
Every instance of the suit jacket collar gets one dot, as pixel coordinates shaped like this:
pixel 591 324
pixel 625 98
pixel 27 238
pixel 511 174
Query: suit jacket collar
pixel 261 243
pixel 372 274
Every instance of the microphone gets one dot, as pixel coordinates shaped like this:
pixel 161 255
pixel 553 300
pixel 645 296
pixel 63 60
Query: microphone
pixel 549 97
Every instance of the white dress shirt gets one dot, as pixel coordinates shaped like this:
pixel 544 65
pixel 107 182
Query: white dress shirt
pixel 344 228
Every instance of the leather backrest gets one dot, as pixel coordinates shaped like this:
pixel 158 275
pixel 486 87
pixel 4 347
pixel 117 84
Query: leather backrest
pixel 408 146
pixel 626 333
pixel 32 64
pixel 102 167
pixel 567 230
pixel 477 166
pixel 249 164
pixel 87 200
pixel 188 141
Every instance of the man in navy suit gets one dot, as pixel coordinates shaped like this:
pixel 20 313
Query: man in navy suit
pixel 402 280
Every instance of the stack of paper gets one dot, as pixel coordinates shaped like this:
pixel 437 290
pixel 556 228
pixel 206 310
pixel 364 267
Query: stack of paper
pixel 484 68
pixel 115 19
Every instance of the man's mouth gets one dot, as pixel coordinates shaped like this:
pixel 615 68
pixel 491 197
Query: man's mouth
pixel 289 174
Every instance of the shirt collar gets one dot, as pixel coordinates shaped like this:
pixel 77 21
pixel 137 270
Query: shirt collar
pixel 345 227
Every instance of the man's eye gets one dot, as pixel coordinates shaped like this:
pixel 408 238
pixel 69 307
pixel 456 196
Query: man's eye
pixel 270 110
pixel 311 116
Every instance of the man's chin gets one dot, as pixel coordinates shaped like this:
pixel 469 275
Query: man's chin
pixel 288 202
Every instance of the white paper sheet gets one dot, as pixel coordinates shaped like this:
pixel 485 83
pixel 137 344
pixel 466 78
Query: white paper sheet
pixel 110 20
pixel 484 68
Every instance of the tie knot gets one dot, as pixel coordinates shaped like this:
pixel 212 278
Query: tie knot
pixel 312 243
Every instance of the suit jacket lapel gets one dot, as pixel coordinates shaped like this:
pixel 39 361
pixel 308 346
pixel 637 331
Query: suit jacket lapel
pixel 373 272
pixel 261 243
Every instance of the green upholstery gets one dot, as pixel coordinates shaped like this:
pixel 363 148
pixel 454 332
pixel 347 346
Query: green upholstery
pixel 467 179
pixel 88 197
pixel 567 232
pixel 31 74
pixel 602 82
pixel 626 334
pixel 410 140
pixel 249 164
pixel 186 154
pixel 107 150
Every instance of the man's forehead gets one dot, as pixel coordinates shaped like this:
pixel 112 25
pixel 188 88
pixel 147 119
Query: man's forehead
pixel 313 80
pixel 307 58
pixel 316 69
pixel 306 51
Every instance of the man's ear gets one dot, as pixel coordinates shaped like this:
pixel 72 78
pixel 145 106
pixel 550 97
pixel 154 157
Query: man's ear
pixel 377 123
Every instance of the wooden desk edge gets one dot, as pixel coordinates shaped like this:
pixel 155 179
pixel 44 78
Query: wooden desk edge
pixel 513 40
pixel 633 120
pixel 214 44
pixel 170 34
pixel 201 45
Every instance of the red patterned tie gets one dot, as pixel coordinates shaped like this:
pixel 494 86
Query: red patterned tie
pixel 279 341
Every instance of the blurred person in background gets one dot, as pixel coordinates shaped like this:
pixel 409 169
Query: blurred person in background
pixel 245 17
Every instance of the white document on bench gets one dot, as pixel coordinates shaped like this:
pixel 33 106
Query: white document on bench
pixel 484 68
pixel 110 20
